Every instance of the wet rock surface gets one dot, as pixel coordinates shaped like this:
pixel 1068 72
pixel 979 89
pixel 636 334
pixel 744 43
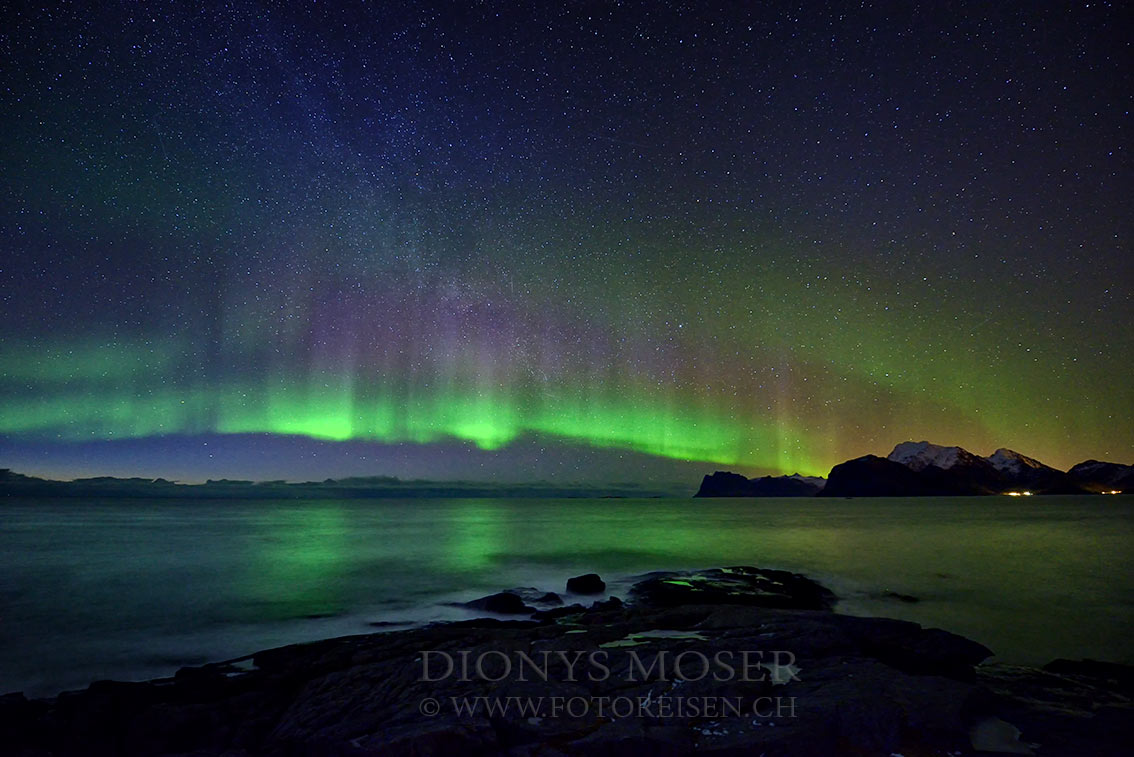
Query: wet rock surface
pixel 651 677
pixel 738 585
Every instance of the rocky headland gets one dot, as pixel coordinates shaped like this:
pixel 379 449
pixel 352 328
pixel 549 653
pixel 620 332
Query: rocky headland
pixel 731 661
pixel 918 469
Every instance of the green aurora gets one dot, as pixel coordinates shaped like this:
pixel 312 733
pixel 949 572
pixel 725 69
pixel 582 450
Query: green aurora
pixel 734 238
pixel 805 377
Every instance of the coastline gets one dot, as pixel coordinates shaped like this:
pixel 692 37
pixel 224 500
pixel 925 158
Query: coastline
pixel 721 661
pixel 124 591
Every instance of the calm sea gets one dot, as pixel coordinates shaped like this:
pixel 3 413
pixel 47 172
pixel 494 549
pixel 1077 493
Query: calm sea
pixel 136 589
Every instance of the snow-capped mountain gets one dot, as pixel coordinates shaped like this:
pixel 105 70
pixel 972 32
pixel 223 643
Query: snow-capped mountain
pixel 1027 473
pixel 926 469
pixel 916 468
pixel 1013 463
pixel 1003 470
pixel 920 455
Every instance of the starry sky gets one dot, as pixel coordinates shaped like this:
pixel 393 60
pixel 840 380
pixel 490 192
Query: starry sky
pixel 562 241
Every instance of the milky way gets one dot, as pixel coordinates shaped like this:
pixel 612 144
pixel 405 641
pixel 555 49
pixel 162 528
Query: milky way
pixel 768 238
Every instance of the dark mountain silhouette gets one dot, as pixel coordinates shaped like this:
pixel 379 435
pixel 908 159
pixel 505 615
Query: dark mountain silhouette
pixel 954 471
pixel 915 469
pixel 370 487
pixel 1097 476
pixel 722 484
pixel 873 476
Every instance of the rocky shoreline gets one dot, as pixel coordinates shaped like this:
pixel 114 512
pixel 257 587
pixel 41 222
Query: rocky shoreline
pixel 728 661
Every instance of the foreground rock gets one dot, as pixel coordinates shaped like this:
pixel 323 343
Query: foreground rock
pixel 503 603
pixel 1080 708
pixel 740 585
pixel 646 678
pixel 590 583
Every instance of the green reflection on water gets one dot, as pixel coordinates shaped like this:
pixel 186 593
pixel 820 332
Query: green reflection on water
pixel 299 564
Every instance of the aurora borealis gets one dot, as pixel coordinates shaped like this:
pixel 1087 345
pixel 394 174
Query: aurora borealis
pixel 768 238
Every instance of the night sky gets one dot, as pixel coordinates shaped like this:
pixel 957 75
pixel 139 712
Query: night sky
pixel 626 241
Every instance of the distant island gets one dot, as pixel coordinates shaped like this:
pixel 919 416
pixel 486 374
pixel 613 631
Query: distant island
pixel 911 469
pixel 915 469
pixel 360 487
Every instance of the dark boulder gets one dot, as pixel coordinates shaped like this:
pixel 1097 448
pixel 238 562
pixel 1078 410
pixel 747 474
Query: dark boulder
pixel 504 603
pixel 589 583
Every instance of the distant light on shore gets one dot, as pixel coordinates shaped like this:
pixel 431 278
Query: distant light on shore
pixel 1018 494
